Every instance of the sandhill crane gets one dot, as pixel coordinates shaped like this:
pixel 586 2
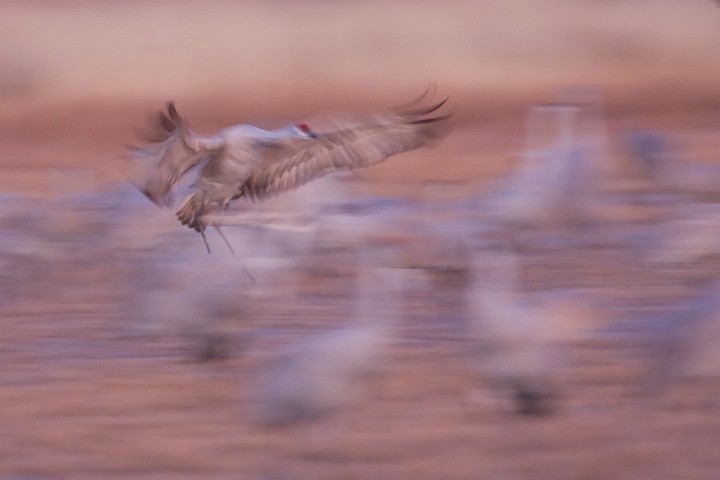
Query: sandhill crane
pixel 330 370
pixel 558 173
pixel 682 343
pixel 688 235
pixel 667 163
pixel 521 336
pixel 244 161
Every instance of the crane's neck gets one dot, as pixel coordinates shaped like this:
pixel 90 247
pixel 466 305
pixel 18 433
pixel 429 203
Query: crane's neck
pixel 251 131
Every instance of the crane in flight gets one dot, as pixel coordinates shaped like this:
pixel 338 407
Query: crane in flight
pixel 247 162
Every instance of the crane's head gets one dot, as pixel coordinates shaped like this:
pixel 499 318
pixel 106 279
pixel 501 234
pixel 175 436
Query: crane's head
pixel 303 130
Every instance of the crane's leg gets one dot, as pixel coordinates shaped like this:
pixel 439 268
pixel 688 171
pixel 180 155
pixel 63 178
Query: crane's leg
pixel 250 275
pixel 222 235
pixel 207 245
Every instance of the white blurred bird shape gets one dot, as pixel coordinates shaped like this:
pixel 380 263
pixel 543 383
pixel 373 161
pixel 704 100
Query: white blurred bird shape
pixel 330 370
pixel 560 166
pixel 520 334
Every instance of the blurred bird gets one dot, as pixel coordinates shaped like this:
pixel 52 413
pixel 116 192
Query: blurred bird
pixel 689 235
pixel 244 161
pixel 664 161
pixel 171 296
pixel 683 343
pixel 330 371
pixel 521 338
pixel 559 172
pixel 517 359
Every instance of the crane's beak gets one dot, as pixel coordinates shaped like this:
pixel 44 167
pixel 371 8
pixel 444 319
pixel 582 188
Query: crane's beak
pixel 311 134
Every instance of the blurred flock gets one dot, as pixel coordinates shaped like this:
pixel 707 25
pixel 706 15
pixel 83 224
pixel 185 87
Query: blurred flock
pixel 536 295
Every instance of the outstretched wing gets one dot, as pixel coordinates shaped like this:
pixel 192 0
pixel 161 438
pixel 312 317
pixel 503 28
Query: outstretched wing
pixel 362 144
pixel 173 149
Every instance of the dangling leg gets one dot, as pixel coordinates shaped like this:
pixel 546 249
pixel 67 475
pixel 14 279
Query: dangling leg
pixel 222 235
pixel 207 245
pixel 247 272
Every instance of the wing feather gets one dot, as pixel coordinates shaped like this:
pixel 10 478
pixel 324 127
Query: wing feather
pixel 173 151
pixel 366 142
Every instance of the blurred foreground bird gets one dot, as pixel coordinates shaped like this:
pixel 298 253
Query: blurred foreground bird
pixel 244 161
pixel 682 345
pixel 330 371
pixel 687 237
pixel 520 337
pixel 666 162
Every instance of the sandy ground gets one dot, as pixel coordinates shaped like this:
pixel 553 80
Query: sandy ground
pixel 86 392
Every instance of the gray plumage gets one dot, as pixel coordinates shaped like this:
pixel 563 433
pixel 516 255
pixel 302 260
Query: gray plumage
pixel 244 161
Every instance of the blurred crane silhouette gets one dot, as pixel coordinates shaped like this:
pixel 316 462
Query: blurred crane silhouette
pixel 331 370
pixel 521 337
pixel 666 162
pixel 244 161
pixel 560 172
